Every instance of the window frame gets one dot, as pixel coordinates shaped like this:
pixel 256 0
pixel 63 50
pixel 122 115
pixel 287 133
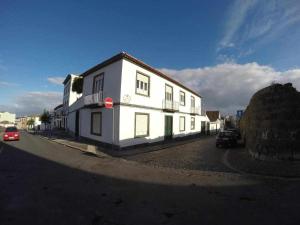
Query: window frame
pixel 148 125
pixel 92 122
pixel 94 79
pixel 194 124
pixel 136 85
pixel 167 85
pixel 180 98
pixel 183 123
pixel 193 100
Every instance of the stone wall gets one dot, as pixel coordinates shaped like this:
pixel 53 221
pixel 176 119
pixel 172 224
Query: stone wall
pixel 271 123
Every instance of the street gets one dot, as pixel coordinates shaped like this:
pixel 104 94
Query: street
pixel 42 182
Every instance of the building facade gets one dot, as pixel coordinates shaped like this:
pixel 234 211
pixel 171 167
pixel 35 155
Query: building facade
pixel 215 121
pixel 148 107
pixel 69 97
pixel 7 119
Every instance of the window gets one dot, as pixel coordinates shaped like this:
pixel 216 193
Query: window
pixel 182 98
pixel 168 93
pixel 181 123
pixel 142 84
pixel 192 123
pixel 141 125
pixel 96 123
pixel 98 83
pixel 192 101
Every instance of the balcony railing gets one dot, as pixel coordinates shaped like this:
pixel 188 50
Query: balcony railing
pixel 170 105
pixel 195 111
pixel 94 99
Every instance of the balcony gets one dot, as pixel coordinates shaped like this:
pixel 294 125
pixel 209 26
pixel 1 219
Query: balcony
pixel 93 99
pixel 170 106
pixel 195 111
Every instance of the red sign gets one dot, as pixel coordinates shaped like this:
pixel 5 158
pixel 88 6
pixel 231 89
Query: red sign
pixel 108 102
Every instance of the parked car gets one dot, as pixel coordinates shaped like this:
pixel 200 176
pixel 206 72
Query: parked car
pixel 11 134
pixel 236 132
pixel 226 138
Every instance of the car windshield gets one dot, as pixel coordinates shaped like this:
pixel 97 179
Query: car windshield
pixel 11 129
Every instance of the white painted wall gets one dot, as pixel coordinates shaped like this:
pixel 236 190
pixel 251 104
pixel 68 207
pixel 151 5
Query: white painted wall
pixel 120 84
pixel 112 81
pixel 157 89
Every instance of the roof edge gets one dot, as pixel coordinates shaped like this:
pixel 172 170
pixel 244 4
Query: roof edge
pixel 124 55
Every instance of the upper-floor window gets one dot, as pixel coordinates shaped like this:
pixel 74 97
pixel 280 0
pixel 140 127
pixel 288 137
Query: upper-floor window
pixel 98 83
pixel 182 98
pixel 192 101
pixel 142 84
pixel 168 93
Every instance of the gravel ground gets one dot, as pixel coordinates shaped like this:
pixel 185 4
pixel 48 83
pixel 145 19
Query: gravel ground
pixel 197 155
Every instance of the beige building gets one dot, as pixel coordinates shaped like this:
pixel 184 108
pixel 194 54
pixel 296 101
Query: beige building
pixel 7 119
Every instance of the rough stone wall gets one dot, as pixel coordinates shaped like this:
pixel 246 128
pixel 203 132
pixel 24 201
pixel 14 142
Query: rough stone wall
pixel 271 123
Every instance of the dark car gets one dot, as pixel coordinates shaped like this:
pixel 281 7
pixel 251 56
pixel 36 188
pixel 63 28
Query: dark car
pixel 235 131
pixel 11 134
pixel 226 138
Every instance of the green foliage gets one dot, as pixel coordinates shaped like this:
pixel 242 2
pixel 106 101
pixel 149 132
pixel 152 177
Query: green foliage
pixel 77 85
pixel 30 122
pixel 45 117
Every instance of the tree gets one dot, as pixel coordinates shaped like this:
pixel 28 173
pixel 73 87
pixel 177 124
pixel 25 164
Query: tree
pixel 45 117
pixel 30 123
pixel 77 85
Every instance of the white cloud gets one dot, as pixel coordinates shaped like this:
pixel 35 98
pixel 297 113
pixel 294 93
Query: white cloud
pixel 33 102
pixel 257 22
pixel 229 86
pixel 56 80
pixel 236 17
pixel 7 84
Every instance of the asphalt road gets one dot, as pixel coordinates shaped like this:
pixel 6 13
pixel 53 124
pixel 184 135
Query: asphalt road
pixel 46 183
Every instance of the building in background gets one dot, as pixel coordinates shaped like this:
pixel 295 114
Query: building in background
pixel 21 122
pixel 215 121
pixel 57 117
pixel 7 119
pixel 69 97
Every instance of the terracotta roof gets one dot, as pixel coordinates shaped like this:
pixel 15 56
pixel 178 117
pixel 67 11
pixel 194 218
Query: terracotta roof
pixel 124 55
pixel 213 115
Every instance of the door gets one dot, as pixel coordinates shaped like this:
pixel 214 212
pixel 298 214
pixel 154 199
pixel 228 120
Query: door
pixel 203 131
pixel 77 124
pixel 168 127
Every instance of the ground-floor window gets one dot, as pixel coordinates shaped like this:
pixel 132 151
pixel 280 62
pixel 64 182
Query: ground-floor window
pixel 192 123
pixel 181 123
pixel 96 123
pixel 141 125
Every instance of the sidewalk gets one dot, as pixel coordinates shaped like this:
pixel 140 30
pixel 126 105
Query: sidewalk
pixel 239 160
pixel 63 138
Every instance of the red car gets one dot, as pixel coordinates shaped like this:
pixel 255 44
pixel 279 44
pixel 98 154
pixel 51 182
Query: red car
pixel 11 134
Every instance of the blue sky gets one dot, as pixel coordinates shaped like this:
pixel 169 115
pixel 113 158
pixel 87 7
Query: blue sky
pixel 42 41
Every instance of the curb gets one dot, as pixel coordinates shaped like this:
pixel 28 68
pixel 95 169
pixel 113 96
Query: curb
pixel 253 174
pixel 74 147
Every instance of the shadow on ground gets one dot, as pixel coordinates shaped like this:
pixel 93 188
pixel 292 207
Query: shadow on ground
pixel 39 191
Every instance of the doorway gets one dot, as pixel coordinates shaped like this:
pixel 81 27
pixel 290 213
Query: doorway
pixel 168 127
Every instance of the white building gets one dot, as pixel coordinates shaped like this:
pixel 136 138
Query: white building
pixel 36 122
pixel 57 117
pixel 215 121
pixel 149 106
pixel 69 97
pixel 7 119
